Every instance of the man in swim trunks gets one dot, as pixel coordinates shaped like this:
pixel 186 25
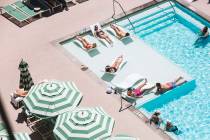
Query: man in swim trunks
pixel 101 34
pixel 119 32
pixel 85 43
pixel 138 92
pixel 114 67
pixel 170 127
pixel 161 88
pixel 204 32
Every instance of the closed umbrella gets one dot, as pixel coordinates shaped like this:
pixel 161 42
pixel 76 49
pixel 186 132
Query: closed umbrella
pixel 26 81
pixel 52 98
pixel 83 124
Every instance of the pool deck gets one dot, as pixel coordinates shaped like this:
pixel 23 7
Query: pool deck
pixel 33 43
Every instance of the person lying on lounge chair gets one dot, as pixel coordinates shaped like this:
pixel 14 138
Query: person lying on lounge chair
pixel 115 66
pixel 85 43
pixel 138 92
pixel 119 32
pixel 161 88
pixel 101 34
pixel 20 93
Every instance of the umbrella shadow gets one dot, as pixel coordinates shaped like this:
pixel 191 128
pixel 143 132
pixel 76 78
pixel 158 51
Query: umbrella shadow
pixel 93 52
pixel 127 40
pixel 108 77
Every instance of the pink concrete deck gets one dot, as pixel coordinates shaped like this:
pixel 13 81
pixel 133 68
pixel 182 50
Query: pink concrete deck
pixel 32 43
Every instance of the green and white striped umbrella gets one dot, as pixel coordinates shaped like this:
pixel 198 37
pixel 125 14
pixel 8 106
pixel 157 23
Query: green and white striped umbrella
pixel 84 124
pixel 18 136
pixel 52 98
pixel 26 81
pixel 122 137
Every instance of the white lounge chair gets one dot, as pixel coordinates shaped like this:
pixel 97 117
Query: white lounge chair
pixel 79 44
pixel 92 28
pixel 111 31
pixel 129 81
pixel 131 100
pixel 120 67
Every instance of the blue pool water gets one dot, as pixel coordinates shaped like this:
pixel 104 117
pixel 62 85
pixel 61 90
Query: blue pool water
pixel 174 36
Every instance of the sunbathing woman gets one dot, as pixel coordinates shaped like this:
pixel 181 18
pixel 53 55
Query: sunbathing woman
pixel 85 43
pixel 101 34
pixel 119 32
pixel 161 88
pixel 114 67
pixel 138 92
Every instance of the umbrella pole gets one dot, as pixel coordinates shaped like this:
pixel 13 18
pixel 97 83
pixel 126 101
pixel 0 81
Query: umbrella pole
pixel 5 120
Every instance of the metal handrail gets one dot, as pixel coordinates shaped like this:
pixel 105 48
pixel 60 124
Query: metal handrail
pixel 115 1
pixel 172 6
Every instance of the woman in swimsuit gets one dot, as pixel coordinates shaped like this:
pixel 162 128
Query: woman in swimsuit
pixel 138 92
pixel 161 88
pixel 101 34
pixel 85 43
pixel 119 32
pixel 115 65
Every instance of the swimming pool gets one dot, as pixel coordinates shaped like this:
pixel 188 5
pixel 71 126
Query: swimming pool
pixel 173 35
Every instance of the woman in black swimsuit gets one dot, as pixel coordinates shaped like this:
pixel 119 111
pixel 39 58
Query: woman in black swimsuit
pixel 101 34
pixel 115 66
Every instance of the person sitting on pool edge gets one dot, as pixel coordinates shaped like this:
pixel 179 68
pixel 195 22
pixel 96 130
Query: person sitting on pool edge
pixel 20 93
pixel 114 67
pixel 138 92
pixel 101 34
pixel 155 118
pixel 120 33
pixel 171 128
pixel 204 32
pixel 85 43
pixel 161 88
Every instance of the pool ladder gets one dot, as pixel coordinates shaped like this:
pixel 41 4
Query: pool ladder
pixel 115 1
pixel 172 6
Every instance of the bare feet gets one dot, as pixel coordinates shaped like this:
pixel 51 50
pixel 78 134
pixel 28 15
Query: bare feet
pixel 79 38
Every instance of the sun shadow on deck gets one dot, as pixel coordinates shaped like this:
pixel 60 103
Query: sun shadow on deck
pixel 127 40
pixel 107 77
